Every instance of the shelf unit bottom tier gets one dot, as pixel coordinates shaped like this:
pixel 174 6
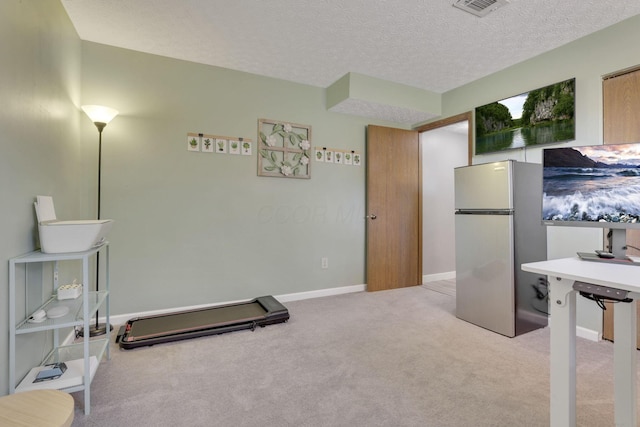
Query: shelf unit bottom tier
pixel 73 378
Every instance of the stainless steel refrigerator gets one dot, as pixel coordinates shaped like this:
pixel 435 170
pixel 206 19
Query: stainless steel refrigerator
pixel 498 227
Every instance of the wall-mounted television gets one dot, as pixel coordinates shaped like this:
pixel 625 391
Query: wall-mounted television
pixel 593 186
pixel 541 116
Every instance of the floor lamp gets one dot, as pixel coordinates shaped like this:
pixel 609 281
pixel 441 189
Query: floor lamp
pixel 100 116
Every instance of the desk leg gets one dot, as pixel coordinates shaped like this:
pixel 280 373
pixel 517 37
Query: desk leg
pixel 625 363
pixel 563 352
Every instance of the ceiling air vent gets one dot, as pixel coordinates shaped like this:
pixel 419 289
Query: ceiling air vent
pixel 480 7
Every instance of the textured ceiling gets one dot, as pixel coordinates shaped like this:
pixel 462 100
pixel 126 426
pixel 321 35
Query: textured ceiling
pixel 427 44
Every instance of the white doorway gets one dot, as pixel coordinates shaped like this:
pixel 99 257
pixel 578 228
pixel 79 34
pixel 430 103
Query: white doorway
pixel 443 149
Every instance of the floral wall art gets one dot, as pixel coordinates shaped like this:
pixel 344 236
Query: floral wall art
pixel 285 149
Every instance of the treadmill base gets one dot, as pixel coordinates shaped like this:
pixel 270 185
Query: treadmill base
pixel 150 330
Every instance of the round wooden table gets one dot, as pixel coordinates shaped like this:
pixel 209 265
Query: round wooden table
pixel 37 408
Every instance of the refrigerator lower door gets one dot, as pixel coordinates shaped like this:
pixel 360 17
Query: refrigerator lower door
pixel 485 271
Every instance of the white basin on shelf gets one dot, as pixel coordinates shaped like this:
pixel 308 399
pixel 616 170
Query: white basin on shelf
pixel 67 236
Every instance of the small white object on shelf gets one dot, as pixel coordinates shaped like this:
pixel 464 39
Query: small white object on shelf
pixel 38 317
pixel 70 291
pixel 58 311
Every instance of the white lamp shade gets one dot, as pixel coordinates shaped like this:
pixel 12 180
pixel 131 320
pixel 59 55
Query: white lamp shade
pixel 99 114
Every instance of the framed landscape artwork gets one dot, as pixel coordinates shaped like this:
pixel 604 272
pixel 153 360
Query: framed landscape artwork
pixel 541 116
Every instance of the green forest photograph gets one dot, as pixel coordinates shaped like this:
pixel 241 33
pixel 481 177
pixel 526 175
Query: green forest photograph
pixel 541 116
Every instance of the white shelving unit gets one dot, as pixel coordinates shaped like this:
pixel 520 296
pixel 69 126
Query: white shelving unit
pixel 81 309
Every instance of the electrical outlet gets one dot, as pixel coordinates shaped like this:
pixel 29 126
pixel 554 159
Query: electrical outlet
pixel 325 262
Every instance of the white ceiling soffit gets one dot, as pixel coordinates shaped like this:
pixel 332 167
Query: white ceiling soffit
pixel 374 110
pixel 427 44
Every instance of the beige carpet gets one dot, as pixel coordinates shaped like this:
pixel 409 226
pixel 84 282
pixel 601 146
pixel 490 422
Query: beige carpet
pixel 447 287
pixel 392 358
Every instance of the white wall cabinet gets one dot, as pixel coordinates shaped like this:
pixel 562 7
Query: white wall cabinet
pixel 84 356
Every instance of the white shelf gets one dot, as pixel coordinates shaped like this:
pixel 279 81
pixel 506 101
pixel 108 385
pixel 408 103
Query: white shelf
pixel 64 353
pixel 71 319
pixel 39 256
pixel 72 380
pixel 86 353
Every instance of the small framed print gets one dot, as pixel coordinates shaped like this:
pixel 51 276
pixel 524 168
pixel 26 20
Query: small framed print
pixel 338 157
pixel 348 158
pixel 319 155
pixel 357 161
pixel 221 146
pixel 245 147
pixel 234 146
pixel 328 156
pixel 207 144
pixel 193 143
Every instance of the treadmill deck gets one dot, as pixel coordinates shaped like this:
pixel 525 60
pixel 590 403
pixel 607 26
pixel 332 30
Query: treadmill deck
pixel 150 330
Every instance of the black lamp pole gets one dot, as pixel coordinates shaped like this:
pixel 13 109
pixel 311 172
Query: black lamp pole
pixel 100 126
pixel 98 328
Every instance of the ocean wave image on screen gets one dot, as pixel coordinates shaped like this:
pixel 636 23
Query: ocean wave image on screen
pixel 591 194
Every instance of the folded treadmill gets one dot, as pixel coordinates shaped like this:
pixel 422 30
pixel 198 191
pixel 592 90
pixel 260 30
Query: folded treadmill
pixel 150 330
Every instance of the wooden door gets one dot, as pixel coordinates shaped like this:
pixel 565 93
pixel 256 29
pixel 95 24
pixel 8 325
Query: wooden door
pixel 621 124
pixel 394 208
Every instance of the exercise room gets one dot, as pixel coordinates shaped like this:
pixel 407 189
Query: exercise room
pixel 251 213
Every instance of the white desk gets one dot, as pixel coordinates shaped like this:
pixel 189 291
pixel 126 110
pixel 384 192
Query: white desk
pixel 562 274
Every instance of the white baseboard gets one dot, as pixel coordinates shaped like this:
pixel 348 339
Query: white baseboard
pixel 123 318
pixel 438 276
pixel 321 293
pixel 588 334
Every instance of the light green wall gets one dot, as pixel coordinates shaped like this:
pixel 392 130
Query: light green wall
pixel 586 59
pixel 194 228
pixel 40 151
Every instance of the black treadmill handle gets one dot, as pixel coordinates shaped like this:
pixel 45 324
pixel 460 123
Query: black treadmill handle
pixel 271 305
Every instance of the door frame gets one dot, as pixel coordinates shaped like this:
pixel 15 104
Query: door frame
pixel 468 116
pixel 438 138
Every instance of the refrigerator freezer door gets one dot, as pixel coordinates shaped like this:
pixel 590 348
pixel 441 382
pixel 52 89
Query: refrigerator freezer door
pixel 485 272
pixel 486 186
